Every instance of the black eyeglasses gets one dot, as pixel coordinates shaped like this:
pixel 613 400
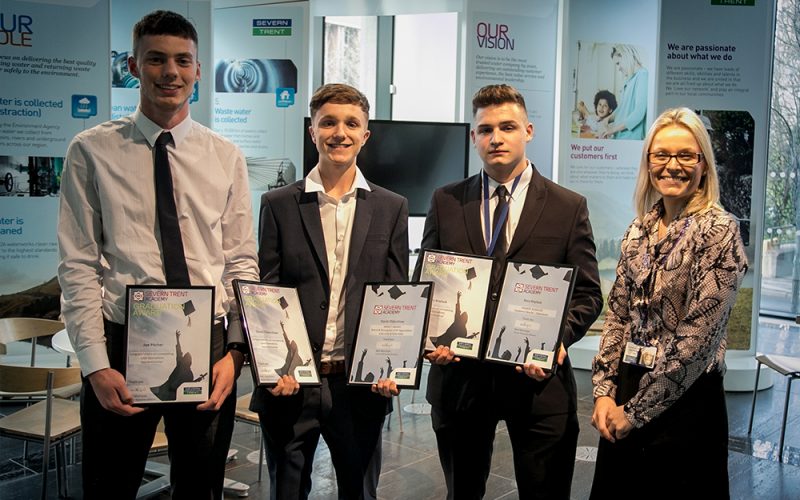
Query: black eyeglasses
pixel 684 159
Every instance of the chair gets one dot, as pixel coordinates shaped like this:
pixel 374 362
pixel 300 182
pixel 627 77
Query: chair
pixel 243 414
pixel 50 422
pixel 18 329
pixel 787 366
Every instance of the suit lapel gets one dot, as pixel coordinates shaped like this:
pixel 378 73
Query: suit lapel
pixel 535 201
pixel 472 215
pixel 309 213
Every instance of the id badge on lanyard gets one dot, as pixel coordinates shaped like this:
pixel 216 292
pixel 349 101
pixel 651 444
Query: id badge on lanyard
pixel 639 355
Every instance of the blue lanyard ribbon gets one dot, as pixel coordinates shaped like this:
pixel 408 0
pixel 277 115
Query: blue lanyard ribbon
pixel 488 234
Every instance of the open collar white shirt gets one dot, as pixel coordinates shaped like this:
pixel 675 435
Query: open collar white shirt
pixel 337 227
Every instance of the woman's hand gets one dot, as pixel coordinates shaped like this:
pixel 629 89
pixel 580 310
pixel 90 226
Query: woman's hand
pixel 617 423
pixel 602 406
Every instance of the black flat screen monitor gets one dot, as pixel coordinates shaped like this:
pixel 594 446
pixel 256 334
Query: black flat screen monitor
pixel 409 158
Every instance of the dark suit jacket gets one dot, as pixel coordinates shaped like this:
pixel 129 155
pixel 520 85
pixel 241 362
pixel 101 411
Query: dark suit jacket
pixel 292 253
pixel 553 228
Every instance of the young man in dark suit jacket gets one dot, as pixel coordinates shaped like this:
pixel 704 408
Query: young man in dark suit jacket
pixel 545 223
pixel 327 235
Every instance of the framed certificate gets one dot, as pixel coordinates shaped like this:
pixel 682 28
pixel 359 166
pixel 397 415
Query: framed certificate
pixel 168 343
pixel 276 331
pixel 459 300
pixel 391 328
pixel 529 323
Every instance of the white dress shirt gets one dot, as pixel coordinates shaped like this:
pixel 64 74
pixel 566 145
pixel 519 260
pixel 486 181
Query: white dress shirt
pixel 515 203
pixel 108 231
pixel 337 226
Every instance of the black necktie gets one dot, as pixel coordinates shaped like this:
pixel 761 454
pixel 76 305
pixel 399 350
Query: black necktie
pixel 501 246
pixel 171 241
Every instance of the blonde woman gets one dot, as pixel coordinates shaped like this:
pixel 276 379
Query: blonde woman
pixel 627 121
pixel 659 398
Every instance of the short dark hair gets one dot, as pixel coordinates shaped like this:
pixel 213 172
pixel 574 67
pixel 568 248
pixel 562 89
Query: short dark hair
pixel 338 93
pixel 494 95
pixel 163 22
pixel 608 96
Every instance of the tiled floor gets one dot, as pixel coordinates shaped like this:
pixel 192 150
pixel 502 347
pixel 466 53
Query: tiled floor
pixel 411 468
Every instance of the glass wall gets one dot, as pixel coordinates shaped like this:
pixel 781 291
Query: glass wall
pixel 781 260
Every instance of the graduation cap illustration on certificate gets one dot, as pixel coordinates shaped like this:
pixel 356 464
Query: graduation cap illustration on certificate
pixel 284 305
pixel 395 292
pixel 188 309
pixel 471 275
pixel 537 272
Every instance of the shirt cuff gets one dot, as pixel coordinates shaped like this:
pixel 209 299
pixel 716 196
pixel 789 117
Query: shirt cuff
pixel 630 414
pixel 604 389
pixel 93 358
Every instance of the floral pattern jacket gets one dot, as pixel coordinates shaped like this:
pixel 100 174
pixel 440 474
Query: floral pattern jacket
pixel 675 294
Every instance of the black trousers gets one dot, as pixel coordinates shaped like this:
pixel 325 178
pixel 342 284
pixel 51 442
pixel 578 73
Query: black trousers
pixel 293 426
pixel 543 447
pixel 683 453
pixel 115 448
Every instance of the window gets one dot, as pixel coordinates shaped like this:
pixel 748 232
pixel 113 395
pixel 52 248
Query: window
pixel 351 53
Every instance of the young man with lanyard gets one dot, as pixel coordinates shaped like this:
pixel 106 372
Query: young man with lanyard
pixel 328 235
pixel 198 200
pixel 510 211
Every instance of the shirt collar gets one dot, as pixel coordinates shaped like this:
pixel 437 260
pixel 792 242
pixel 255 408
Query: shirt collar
pixel 313 182
pixel 151 131
pixel 524 180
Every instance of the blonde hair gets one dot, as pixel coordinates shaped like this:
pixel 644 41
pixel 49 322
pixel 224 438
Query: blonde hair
pixel 629 57
pixel 707 195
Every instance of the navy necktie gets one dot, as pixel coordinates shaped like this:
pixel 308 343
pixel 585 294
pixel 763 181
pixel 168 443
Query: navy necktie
pixel 501 247
pixel 171 241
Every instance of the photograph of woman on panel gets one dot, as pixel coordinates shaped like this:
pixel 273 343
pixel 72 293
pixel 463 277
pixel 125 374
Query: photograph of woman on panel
pixel 628 120
pixel 659 397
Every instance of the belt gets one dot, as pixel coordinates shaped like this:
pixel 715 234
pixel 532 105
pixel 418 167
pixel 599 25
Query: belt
pixel 331 368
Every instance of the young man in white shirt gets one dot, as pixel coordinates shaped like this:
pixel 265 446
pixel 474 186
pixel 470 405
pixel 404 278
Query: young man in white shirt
pixel 107 240
pixel 327 235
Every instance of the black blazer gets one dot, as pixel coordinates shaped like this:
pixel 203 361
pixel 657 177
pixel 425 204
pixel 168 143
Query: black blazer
pixel 292 253
pixel 554 228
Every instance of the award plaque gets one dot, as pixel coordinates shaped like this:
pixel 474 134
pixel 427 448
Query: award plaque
pixel 168 343
pixel 529 323
pixel 391 328
pixel 276 331
pixel 461 287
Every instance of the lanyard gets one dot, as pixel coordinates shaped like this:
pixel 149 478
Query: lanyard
pixel 647 288
pixel 488 235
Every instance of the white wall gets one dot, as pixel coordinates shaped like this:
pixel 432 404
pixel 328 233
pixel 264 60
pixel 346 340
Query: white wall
pixel 425 73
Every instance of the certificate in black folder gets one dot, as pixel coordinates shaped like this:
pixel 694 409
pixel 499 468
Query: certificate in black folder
pixel 459 300
pixel 531 312
pixel 276 331
pixel 391 329
pixel 168 343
